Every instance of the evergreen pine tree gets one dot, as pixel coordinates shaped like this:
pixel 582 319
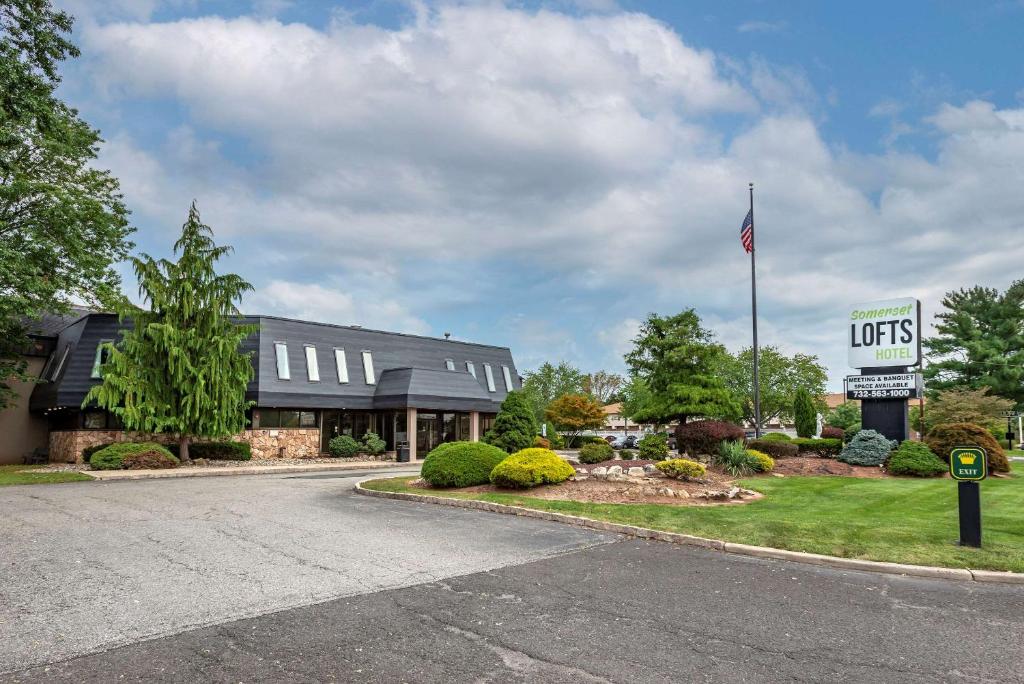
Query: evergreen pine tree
pixel 806 417
pixel 515 426
pixel 179 368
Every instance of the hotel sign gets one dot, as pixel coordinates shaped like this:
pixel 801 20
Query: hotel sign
pixel 894 386
pixel 884 333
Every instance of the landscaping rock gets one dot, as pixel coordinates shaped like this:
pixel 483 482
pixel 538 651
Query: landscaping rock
pixel 599 472
pixel 732 493
pixel 665 491
pixel 682 494
pixel 650 469
pixel 614 470
pixel 635 471
pixel 649 491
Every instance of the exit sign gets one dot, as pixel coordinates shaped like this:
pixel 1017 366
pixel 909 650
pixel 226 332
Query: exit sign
pixel 968 463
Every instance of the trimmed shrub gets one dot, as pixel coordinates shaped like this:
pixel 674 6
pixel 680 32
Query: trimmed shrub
pixel 113 456
pixel 531 467
pixel 915 459
pixel 682 469
pixel 583 440
pixel 221 451
pixel 736 460
pixel 829 448
pixel 151 459
pixel 805 416
pixel 775 449
pixel 868 448
pixel 654 447
pixel 343 446
pixel 765 463
pixel 461 464
pixel 851 432
pixel 777 437
pixel 942 438
pixel 596 452
pixel 541 442
pixel 373 444
pixel 705 436
pixel 515 425
pixel 627 454
pixel 87 452
pixel 829 432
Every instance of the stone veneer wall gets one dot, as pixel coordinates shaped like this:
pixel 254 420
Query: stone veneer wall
pixel 66 445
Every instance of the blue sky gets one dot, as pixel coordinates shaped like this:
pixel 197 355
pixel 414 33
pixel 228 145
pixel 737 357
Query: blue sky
pixel 544 174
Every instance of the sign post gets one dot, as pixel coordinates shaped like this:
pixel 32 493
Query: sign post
pixel 968 466
pixel 1009 415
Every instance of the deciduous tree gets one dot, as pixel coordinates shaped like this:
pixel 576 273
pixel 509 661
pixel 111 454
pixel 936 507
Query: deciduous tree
pixel 574 413
pixel 179 368
pixel 844 416
pixel 549 382
pixel 781 377
pixel 603 386
pixel 62 220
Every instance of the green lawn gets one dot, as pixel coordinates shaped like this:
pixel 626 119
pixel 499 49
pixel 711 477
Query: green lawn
pixel 1015 452
pixel 903 520
pixel 22 474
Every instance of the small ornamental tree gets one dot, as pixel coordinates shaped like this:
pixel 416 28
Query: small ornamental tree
pixel 804 414
pixel 844 416
pixel 574 413
pixel 515 426
pixel 179 368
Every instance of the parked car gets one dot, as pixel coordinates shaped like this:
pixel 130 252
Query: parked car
pixel 625 442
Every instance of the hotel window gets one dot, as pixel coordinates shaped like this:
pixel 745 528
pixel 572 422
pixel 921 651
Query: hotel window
pixel 312 368
pixel 508 378
pixel 283 418
pixel 449 364
pixel 471 368
pixel 368 368
pixel 342 364
pixel 490 377
pixel 60 364
pixel 102 354
pixel 281 351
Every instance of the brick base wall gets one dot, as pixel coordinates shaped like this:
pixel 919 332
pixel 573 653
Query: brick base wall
pixel 66 445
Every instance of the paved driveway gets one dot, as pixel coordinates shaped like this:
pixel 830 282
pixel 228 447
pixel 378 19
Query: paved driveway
pixel 92 565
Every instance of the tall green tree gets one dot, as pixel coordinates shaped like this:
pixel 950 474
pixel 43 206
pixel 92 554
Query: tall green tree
pixel 781 377
pixel 180 368
pixel 979 342
pixel 602 386
pixel 679 363
pixel 515 426
pixel 548 382
pixel 805 415
pixel 62 221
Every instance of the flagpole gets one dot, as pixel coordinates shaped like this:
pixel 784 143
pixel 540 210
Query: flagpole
pixel 753 308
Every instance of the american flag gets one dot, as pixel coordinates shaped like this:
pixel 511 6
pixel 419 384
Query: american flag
pixel 747 232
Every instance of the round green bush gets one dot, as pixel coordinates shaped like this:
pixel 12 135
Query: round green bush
pixel 777 437
pixel 627 454
pixel 531 467
pixel 682 469
pixel 343 446
pixel 373 444
pixel 942 438
pixel 765 463
pixel 915 459
pixel 113 456
pixel 868 448
pixel 654 447
pixel 461 464
pixel 774 448
pixel 596 452
pixel 221 451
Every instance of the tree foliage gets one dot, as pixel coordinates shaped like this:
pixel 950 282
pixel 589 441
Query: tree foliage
pixel 781 377
pixel 602 386
pixel 805 414
pixel 962 405
pixel 679 363
pixel 62 221
pixel 515 425
pixel 979 342
pixel 179 368
pixel 844 416
pixel 548 382
pixel 574 413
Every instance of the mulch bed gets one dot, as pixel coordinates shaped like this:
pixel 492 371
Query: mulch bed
pixel 814 465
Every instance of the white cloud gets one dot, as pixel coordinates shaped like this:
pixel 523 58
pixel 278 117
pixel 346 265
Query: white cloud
pixel 762 26
pixel 479 136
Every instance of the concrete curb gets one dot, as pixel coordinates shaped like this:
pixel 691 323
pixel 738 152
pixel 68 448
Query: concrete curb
pixel 962 574
pixel 109 475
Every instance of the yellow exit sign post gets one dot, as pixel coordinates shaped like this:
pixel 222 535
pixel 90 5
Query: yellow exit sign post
pixel 968 465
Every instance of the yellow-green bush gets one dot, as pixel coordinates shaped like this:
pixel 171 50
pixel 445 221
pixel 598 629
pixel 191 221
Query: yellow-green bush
pixel 681 468
pixel 765 463
pixel 531 467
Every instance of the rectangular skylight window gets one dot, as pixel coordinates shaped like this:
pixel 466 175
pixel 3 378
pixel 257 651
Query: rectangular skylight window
pixel 508 378
pixel 312 368
pixel 101 356
pixel 371 379
pixel 449 364
pixel 471 368
pixel 60 364
pixel 490 377
pixel 342 364
pixel 281 351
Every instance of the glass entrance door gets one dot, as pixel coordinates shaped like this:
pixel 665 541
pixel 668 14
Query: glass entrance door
pixel 428 433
